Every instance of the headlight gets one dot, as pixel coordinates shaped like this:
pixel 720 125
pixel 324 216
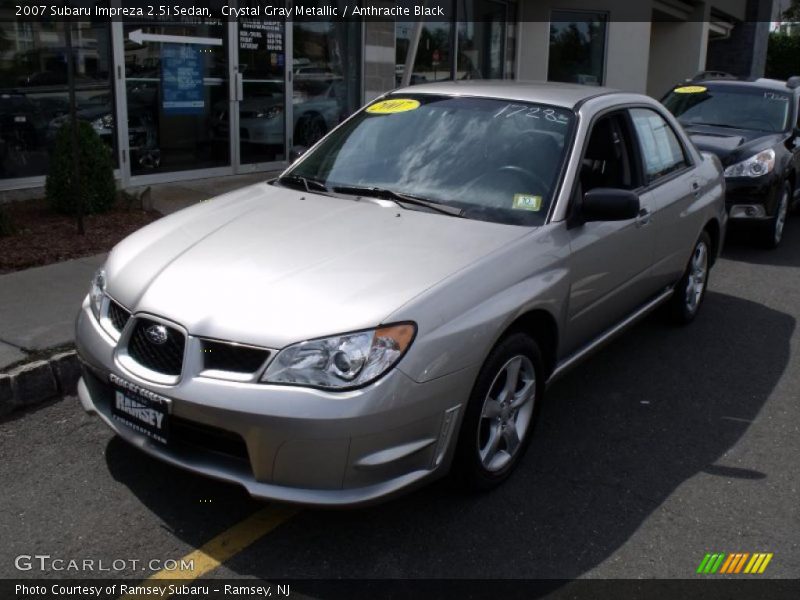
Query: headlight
pixel 97 291
pixel 343 361
pixel 755 166
pixel 270 113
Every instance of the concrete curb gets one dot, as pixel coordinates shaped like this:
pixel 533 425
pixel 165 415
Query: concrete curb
pixel 38 381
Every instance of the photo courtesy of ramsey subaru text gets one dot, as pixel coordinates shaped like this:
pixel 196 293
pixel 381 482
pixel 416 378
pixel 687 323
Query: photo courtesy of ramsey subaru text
pixel 392 307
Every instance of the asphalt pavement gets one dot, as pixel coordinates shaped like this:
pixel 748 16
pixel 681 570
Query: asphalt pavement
pixel 668 444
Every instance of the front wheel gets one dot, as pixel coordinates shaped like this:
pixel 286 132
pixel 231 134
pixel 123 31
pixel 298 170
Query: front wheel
pixel 774 233
pixel 501 413
pixel 691 289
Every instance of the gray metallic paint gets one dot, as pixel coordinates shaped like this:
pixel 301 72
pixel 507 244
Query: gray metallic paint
pixel 270 266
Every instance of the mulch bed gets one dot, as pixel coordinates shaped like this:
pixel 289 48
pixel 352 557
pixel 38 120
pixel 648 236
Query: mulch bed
pixel 43 237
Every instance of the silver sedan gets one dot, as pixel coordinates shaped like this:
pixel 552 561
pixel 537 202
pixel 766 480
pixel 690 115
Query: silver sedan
pixel 391 308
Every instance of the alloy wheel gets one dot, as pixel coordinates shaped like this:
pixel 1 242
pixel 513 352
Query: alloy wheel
pixel 698 274
pixel 506 413
pixel 780 218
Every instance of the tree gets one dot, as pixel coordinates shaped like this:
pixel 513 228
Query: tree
pixel 793 12
pixel 783 56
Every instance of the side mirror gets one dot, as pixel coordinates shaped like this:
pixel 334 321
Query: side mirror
pixel 609 204
pixel 296 152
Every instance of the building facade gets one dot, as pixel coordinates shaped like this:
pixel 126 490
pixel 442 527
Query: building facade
pixel 208 97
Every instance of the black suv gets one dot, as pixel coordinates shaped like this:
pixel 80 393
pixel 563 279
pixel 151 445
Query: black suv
pixel 753 126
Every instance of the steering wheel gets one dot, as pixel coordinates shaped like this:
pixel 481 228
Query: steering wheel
pixel 496 188
pixel 526 175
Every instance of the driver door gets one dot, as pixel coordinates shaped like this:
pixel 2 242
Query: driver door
pixel 610 261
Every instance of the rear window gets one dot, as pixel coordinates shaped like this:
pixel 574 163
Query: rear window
pixel 734 106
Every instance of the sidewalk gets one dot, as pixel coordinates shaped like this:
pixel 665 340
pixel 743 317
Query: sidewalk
pixel 38 306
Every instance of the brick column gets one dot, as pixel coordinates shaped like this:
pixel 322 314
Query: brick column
pixel 744 53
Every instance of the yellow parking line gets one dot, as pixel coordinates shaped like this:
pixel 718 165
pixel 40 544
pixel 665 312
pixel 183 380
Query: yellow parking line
pixel 223 547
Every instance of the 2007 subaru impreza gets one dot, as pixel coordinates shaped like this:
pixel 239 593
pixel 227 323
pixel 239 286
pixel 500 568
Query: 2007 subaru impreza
pixel 392 307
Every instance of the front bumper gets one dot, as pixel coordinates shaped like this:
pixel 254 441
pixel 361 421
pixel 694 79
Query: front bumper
pixel 752 199
pixel 289 443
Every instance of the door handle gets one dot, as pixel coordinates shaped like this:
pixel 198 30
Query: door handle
pixel 643 218
pixel 696 189
pixel 239 87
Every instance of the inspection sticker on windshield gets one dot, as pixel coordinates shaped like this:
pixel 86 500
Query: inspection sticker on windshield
pixel 690 89
pixel 395 105
pixel 527 202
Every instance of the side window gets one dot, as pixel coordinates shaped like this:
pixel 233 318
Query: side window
pixel 798 112
pixel 662 152
pixel 607 161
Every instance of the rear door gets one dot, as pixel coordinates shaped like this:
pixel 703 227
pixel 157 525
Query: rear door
pixel 671 188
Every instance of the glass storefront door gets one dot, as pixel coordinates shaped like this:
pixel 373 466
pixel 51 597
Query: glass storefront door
pixel 177 90
pixel 326 65
pixel 220 97
pixel 261 92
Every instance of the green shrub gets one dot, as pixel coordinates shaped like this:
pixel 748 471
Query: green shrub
pixel 6 225
pixel 783 56
pixel 97 187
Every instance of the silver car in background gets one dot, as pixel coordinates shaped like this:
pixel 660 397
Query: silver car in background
pixel 392 307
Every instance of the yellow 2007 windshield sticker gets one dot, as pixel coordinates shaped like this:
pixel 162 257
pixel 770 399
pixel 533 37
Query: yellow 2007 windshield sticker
pixel 690 89
pixel 395 105
pixel 527 202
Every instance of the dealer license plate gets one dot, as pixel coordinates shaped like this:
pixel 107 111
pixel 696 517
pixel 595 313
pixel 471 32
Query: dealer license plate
pixel 140 409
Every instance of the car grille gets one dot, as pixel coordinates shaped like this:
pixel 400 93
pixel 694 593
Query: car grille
pixel 222 356
pixel 206 437
pixel 166 358
pixel 117 315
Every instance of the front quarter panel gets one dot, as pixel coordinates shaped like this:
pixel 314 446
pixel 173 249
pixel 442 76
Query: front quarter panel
pixel 460 319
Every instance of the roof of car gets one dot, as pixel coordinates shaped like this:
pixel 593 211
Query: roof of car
pixel 566 95
pixel 762 82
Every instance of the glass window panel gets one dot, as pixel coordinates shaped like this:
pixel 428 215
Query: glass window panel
pixel 34 98
pixel 481 39
pixel 326 74
pixel 178 97
pixel 661 150
pixel 433 61
pixel 577 47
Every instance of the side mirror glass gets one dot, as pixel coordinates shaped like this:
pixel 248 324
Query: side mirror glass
pixel 610 204
pixel 296 152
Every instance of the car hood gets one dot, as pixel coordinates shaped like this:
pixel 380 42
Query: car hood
pixel 731 145
pixel 269 266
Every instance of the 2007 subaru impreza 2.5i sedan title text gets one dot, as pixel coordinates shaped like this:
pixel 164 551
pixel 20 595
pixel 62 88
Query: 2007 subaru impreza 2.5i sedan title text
pixel 390 309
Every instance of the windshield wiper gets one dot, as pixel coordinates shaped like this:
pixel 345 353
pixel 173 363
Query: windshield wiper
pixel 306 183
pixel 399 198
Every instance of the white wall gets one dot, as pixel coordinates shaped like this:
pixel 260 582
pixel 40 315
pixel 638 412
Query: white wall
pixel 677 51
pixel 627 39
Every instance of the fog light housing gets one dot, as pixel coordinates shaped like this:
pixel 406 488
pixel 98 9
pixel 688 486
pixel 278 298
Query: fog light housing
pixel 748 211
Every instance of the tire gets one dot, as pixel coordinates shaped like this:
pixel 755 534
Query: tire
pixel 691 289
pixel 774 231
pixel 496 430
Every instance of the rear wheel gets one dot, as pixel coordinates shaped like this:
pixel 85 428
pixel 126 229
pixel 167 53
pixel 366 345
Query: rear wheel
pixel 691 289
pixel 774 233
pixel 501 413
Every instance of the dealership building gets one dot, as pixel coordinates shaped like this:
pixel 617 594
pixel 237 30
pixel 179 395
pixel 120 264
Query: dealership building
pixel 209 97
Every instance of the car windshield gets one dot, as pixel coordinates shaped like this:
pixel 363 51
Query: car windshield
pixel 496 160
pixel 734 106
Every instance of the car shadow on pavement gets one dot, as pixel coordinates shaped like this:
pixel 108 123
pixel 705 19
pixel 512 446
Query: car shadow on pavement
pixel 740 246
pixel 616 437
